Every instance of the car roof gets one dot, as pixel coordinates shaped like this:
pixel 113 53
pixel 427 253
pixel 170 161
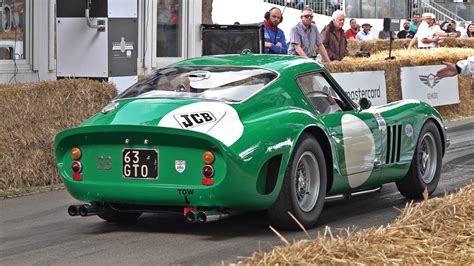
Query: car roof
pixel 274 62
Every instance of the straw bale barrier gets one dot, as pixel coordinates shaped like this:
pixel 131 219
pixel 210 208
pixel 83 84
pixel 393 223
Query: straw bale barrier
pixel 375 46
pixel 434 231
pixel 31 115
pixel 414 57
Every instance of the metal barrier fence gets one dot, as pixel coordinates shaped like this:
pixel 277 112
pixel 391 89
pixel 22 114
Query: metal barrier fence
pixel 325 7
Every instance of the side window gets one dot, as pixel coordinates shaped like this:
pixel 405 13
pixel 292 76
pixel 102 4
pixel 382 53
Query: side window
pixel 320 94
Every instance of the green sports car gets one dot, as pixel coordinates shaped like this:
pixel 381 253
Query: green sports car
pixel 211 136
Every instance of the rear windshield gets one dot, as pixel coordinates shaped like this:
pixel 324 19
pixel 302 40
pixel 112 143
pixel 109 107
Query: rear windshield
pixel 232 84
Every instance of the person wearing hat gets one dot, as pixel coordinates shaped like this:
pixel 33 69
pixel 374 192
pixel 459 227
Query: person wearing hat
pixel 365 34
pixel 429 34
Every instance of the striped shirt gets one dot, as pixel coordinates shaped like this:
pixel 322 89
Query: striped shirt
pixel 307 37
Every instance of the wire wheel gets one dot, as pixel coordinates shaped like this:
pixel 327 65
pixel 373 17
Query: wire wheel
pixel 307 181
pixel 427 158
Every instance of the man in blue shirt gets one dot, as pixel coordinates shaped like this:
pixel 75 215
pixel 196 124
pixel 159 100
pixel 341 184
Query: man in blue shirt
pixel 275 42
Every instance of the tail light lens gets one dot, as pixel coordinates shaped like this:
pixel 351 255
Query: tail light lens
pixel 207 171
pixel 208 157
pixel 76 167
pixel 76 153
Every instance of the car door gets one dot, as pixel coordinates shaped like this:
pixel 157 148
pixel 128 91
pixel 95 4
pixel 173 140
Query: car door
pixel 354 134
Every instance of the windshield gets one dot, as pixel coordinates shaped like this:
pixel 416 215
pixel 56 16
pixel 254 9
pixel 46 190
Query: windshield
pixel 214 83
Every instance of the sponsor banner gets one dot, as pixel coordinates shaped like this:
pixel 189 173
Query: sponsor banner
pixel 368 84
pixel 421 83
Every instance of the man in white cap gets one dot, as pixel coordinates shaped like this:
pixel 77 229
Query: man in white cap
pixel 429 34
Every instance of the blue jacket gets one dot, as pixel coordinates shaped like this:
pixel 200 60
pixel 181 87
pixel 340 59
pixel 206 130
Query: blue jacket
pixel 275 37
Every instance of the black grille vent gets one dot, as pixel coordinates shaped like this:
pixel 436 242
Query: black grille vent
pixel 394 139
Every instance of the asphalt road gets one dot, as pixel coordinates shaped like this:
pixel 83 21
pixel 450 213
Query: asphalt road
pixel 36 229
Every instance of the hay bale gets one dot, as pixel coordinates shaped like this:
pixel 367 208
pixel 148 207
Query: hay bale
pixel 435 231
pixel 376 46
pixel 32 114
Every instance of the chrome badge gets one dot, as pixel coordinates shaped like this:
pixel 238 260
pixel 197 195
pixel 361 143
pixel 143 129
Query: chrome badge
pixel 180 166
pixel 103 162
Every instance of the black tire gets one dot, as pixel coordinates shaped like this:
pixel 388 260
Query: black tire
pixel 113 216
pixel 294 197
pixel 425 168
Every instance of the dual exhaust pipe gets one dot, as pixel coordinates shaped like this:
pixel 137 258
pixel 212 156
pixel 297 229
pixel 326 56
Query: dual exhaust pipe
pixel 84 210
pixel 202 217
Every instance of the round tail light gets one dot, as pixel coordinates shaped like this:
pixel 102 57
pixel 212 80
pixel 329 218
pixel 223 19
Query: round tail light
pixel 207 171
pixel 76 167
pixel 208 157
pixel 76 153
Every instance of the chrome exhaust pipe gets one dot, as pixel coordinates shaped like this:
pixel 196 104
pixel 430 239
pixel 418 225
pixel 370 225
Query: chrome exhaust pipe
pixel 210 216
pixel 190 216
pixel 89 210
pixel 73 210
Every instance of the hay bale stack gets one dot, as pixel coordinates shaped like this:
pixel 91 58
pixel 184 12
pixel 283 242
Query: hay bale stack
pixel 435 231
pixel 32 114
pixel 375 46
pixel 414 57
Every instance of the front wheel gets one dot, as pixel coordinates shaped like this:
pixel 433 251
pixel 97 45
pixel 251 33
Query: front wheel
pixel 425 168
pixel 304 187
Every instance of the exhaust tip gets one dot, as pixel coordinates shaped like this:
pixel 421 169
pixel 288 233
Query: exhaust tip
pixel 83 210
pixel 73 210
pixel 201 217
pixel 190 217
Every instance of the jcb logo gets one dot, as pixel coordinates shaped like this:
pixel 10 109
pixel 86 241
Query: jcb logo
pixel 194 119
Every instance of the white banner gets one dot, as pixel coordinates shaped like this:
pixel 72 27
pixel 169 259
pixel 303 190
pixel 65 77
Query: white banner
pixel 421 83
pixel 368 84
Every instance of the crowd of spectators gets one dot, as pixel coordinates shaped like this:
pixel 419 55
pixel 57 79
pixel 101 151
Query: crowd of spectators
pixel 331 43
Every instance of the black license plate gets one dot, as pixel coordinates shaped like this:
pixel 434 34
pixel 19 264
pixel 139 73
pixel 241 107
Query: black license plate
pixel 139 163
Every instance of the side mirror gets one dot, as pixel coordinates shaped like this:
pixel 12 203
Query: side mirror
pixel 365 103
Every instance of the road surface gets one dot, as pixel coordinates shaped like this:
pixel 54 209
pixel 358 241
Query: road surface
pixel 36 229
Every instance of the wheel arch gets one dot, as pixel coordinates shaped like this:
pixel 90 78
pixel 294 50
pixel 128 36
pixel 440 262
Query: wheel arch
pixel 323 140
pixel 441 131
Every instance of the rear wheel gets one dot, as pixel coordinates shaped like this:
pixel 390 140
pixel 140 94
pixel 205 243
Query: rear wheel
pixel 304 187
pixel 425 168
pixel 113 216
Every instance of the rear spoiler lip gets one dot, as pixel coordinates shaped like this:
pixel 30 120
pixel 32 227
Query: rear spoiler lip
pixel 145 129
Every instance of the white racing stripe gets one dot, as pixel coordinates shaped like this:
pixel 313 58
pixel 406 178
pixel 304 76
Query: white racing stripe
pixel 218 120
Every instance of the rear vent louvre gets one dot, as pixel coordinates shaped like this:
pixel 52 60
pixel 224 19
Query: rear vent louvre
pixel 394 139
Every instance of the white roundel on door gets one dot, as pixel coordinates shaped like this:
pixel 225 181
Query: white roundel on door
pixel 218 120
pixel 359 149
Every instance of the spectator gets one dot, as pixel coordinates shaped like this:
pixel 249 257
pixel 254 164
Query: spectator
pixel 336 5
pixel 462 29
pixel 450 28
pixel 470 30
pixel 406 33
pixel 415 23
pixel 299 4
pixel 462 67
pixel 351 33
pixel 429 35
pixel 305 37
pixel 365 34
pixel 334 36
pixel 275 42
